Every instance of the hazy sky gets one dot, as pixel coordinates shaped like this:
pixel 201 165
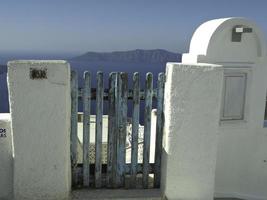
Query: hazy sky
pixel 77 26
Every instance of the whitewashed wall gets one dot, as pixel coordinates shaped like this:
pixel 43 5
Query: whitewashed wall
pixel 242 159
pixel 192 95
pixel 40 111
pixel 6 157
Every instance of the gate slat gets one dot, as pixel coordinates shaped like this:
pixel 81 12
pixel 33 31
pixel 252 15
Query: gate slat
pixel 86 127
pixel 135 128
pixel 111 158
pixel 98 134
pixel 74 122
pixel 122 127
pixel 159 128
pixel 147 127
pixel 115 180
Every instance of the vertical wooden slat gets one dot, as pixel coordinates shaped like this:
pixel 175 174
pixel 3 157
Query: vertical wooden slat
pixel 111 158
pixel 147 127
pixel 86 127
pixel 159 128
pixel 74 123
pixel 115 181
pixel 135 128
pixel 122 127
pixel 98 136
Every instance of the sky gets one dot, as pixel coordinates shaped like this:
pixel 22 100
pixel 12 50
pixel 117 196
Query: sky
pixel 78 26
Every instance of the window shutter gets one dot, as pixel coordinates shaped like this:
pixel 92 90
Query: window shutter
pixel 234 96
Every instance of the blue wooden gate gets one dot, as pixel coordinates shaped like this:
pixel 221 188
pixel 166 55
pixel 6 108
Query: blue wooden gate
pixel 116 172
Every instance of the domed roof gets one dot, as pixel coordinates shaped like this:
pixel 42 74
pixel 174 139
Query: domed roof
pixel 213 39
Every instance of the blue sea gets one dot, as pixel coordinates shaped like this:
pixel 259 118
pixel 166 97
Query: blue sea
pixel 93 67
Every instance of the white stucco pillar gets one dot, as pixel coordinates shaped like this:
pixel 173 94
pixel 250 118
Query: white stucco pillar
pixel 192 105
pixel 40 111
pixel 6 158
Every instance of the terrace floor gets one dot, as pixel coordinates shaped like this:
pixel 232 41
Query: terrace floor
pixel 121 194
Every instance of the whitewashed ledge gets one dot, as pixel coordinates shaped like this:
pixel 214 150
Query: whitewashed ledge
pixel 122 194
pixel 118 194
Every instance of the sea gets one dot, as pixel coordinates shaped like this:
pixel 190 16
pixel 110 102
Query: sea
pixel 92 66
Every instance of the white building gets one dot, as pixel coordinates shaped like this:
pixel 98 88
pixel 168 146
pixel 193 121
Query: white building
pixel 239 46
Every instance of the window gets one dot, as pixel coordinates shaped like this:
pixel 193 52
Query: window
pixel 234 96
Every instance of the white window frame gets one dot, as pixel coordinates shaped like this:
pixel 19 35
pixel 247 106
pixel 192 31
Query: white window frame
pixel 265 120
pixel 237 71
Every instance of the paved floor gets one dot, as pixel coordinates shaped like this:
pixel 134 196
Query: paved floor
pixel 227 199
pixel 121 194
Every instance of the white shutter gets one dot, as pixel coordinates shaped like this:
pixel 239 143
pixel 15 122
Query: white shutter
pixel 234 96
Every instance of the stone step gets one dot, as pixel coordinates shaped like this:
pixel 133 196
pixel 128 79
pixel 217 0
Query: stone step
pixel 118 194
pixel 122 194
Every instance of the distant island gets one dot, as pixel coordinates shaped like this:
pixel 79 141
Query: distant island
pixel 133 56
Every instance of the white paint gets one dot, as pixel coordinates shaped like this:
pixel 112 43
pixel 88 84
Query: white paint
pixel 40 111
pixel 6 157
pixel 242 160
pixel 192 96
pixel 153 135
